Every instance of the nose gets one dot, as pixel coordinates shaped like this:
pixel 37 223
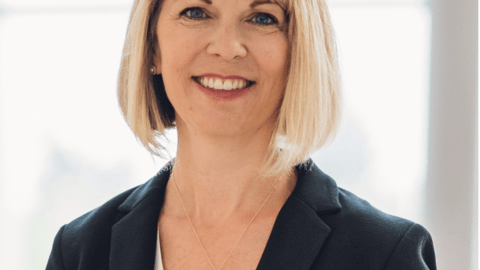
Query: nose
pixel 227 43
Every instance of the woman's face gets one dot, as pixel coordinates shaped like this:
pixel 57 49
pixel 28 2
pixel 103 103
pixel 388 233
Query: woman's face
pixel 203 40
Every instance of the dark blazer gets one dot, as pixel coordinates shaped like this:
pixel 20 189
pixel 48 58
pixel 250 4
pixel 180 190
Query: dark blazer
pixel 320 226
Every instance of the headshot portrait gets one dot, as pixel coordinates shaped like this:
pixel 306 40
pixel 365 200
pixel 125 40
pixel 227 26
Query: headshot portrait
pixel 253 88
pixel 239 134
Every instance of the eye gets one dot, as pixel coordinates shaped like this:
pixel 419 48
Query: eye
pixel 265 19
pixel 194 13
pixel 197 13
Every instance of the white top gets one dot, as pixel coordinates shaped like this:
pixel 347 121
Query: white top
pixel 158 256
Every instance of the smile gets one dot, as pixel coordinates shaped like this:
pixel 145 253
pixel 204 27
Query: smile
pixel 221 94
pixel 220 84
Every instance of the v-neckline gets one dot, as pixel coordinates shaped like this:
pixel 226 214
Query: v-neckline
pixel 158 256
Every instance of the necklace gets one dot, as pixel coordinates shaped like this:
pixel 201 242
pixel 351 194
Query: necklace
pixel 240 236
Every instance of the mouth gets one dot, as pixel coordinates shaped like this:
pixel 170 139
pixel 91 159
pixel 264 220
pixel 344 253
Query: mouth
pixel 225 88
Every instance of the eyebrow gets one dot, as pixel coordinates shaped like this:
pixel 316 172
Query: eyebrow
pixel 252 5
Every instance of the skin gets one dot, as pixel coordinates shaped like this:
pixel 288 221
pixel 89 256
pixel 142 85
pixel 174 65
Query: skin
pixel 221 144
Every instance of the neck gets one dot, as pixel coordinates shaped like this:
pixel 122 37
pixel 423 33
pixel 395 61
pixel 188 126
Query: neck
pixel 218 181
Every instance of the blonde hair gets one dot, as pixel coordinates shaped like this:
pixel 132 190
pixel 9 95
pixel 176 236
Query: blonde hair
pixel 309 112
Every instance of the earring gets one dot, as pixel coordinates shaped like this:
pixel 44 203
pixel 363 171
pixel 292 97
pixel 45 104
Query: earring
pixel 153 70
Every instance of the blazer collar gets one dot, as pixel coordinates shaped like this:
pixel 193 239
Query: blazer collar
pixel 295 241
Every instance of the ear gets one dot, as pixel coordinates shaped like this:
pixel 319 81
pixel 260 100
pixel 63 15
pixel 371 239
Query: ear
pixel 157 62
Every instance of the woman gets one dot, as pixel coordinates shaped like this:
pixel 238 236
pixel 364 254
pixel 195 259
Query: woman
pixel 237 78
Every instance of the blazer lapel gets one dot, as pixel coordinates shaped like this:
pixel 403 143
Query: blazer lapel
pixel 295 241
pixel 133 241
pixel 299 232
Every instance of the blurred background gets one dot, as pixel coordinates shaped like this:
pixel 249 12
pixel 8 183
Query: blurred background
pixel 407 142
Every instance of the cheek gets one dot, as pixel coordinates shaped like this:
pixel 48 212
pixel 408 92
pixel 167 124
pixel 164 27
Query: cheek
pixel 177 44
pixel 178 49
pixel 272 50
pixel 272 55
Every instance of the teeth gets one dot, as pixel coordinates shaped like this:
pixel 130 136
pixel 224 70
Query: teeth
pixel 218 84
pixel 227 85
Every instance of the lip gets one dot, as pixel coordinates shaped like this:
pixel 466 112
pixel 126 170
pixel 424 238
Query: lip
pixel 231 77
pixel 223 94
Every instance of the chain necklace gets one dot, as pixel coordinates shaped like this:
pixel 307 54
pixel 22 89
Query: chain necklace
pixel 240 236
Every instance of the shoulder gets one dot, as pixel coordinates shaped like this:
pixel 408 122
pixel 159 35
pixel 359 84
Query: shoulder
pixel 364 224
pixel 368 218
pixel 87 240
pixel 88 235
pixel 102 216
pixel 376 239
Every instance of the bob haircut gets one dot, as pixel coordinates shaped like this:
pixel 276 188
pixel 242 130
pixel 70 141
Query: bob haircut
pixel 307 116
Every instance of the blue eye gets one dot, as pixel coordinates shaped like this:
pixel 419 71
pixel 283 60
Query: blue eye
pixel 264 19
pixel 197 13
pixel 193 13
